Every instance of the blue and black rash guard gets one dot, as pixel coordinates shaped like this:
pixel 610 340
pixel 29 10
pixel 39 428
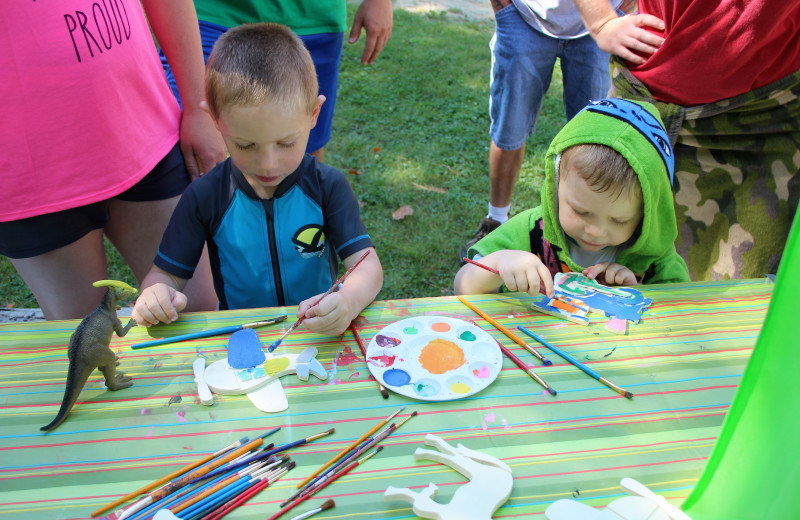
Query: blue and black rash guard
pixel 265 252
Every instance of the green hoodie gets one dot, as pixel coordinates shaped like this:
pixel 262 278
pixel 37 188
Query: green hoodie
pixel 634 130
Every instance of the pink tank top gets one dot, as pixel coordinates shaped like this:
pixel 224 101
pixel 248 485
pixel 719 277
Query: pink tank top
pixel 87 111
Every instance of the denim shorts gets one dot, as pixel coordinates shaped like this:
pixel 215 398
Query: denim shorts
pixel 522 67
pixel 41 234
pixel 326 53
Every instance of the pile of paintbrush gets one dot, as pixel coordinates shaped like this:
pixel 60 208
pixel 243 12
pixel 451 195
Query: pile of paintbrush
pixel 342 463
pixel 213 486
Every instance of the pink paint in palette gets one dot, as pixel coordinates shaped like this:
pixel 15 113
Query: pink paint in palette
pixel 434 358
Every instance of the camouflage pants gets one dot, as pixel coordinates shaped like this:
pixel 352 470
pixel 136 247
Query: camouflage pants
pixel 737 175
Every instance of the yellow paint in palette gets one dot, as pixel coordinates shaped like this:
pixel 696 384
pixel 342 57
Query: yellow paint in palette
pixel 277 365
pixel 460 388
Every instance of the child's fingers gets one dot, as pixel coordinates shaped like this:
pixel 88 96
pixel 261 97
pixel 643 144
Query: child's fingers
pixel 618 274
pixel 545 281
pixel 595 270
pixel 160 305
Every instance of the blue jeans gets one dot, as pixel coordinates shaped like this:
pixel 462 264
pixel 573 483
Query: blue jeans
pixel 522 67
pixel 326 53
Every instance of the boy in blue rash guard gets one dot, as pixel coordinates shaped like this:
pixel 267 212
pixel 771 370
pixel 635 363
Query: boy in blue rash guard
pixel 607 209
pixel 275 220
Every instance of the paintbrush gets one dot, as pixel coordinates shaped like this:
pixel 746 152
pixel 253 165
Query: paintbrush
pixel 263 455
pixel 191 494
pixel 350 447
pixel 513 337
pixel 366 445
pixel 521 364
pixel 346 470
pixel 621 391
pixel 328 504
pixel 352 327
pixel 333 288
pixel 210 332
pixel 168 489
pixel 213 501
pixel 495 271
pixel 249 493
pixel 482 266
pixel 164 480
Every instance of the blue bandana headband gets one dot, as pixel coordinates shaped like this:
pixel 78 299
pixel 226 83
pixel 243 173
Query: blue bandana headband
pixel 647 124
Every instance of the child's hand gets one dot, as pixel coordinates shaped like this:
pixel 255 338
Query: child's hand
pixel 522 271
pixel 330 316
pixel 158 303
pixel 615 274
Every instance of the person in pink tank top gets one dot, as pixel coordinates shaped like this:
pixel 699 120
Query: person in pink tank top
pixel 93 143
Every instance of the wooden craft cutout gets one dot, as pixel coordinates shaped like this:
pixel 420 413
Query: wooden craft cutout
pixel 563 307
pixel 489 485
pixel 642 505
pixel 260 383
pixel 203 391
pixel 578 295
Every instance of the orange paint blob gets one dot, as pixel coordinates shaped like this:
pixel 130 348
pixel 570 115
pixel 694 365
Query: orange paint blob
pixel 439 356
pixel 440 327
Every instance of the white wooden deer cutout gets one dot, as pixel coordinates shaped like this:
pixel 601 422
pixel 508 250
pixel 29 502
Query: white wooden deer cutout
pixel 489 485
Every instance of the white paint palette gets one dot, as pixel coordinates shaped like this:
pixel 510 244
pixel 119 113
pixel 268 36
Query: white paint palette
pixel 434 358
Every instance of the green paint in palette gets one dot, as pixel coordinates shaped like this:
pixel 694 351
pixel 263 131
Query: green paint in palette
pixel 468 336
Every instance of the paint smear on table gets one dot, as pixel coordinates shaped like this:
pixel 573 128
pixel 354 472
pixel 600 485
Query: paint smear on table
pixel 440 355
pixel 346 357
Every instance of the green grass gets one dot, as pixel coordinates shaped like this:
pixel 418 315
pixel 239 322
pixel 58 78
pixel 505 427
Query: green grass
pixel 424 106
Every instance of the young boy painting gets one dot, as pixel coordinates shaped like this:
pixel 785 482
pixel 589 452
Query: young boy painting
pixel 607 209
pixel 275 220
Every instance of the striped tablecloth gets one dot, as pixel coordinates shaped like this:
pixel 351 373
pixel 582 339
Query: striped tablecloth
pixel 682 362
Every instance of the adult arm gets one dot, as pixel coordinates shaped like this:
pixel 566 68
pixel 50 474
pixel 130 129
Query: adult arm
pixel 376 17
pixel 174 24
pixel 624 36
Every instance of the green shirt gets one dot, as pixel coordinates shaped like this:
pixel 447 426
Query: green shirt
pixel 319 16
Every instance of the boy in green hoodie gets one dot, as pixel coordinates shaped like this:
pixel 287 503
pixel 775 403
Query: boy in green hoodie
pixel 607 209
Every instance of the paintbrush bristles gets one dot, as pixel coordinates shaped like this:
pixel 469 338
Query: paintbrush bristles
pixel 328 504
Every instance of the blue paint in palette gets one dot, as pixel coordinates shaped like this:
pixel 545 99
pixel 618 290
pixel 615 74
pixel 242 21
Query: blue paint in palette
pixel 396 377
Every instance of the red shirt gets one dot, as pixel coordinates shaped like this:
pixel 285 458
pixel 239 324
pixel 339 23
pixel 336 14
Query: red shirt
pixel 716 50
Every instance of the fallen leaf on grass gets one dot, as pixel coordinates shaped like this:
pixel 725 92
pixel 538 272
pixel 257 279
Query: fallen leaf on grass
pixel 376 149
pixel 402 212
pixel 426 187
pixel 354 172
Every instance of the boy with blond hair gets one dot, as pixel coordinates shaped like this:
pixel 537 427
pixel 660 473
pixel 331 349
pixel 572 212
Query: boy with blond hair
pixel 274 218
pixel 607 209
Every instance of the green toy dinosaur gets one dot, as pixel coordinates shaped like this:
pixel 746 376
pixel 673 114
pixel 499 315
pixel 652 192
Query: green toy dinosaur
pixel 89 347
